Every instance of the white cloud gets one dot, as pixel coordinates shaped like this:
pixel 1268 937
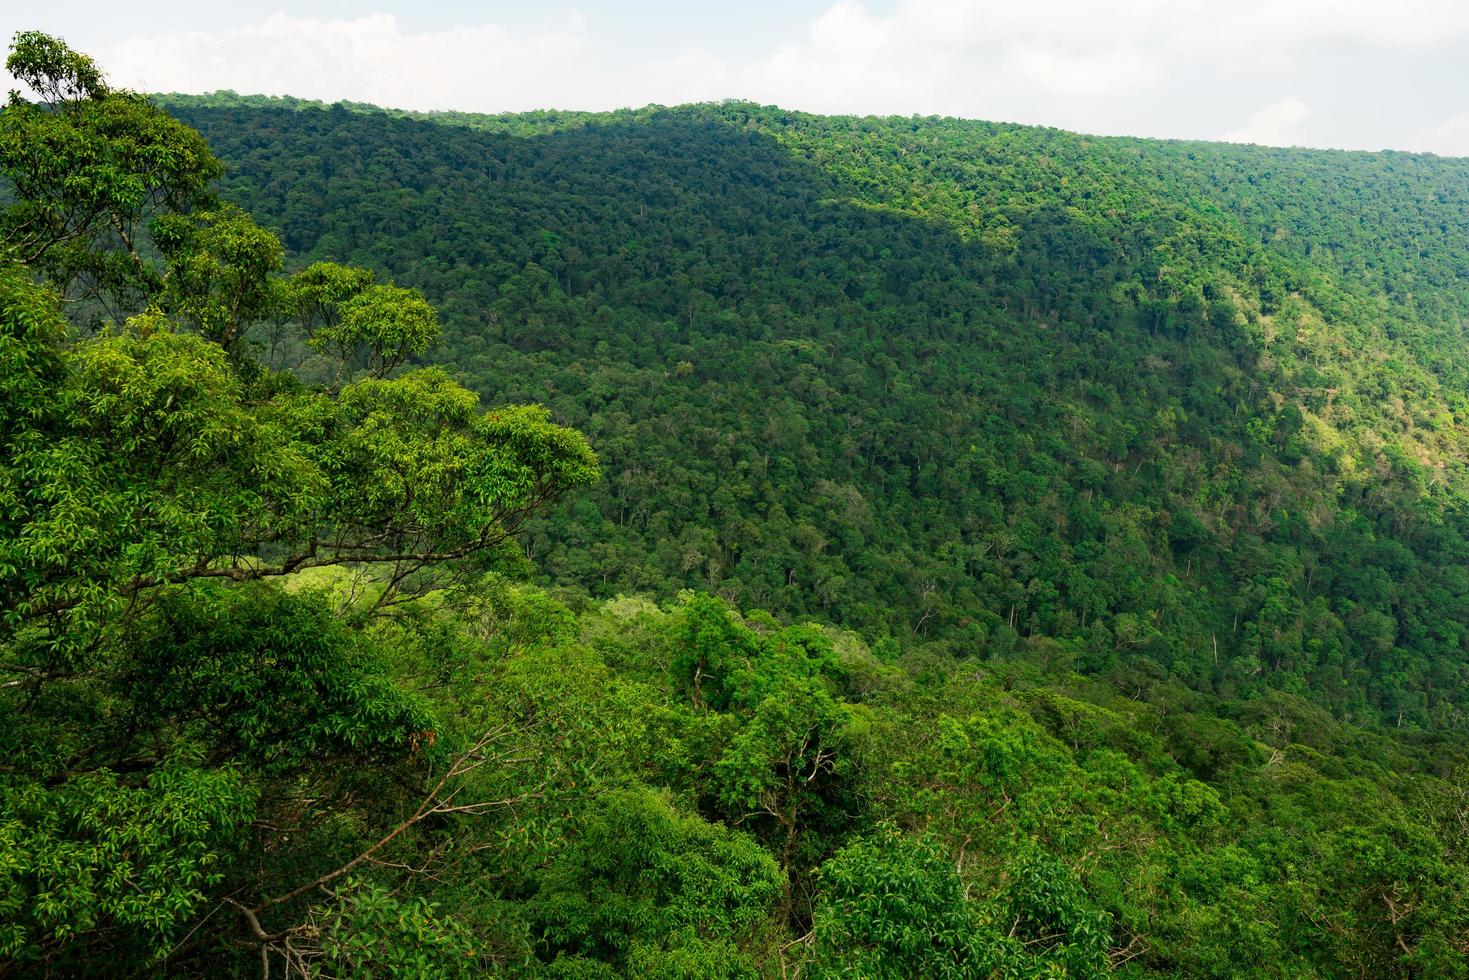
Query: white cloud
pixel 1449 138
pixel 1079 73
pixel 368 59
pixel 850 61
pixel 925 55
pixel 1402 24
pixel 982 57
pixel 960 58
pixel 1145 67
pixel 1277 124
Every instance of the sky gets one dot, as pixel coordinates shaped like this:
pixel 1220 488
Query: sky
pixel 1387 74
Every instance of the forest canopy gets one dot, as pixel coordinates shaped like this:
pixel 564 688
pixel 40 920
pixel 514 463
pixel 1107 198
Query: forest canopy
pixel 951 382
pixel 1004 553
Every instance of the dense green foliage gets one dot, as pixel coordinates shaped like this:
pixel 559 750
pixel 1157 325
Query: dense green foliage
pixel 953 381
pixel 1108 538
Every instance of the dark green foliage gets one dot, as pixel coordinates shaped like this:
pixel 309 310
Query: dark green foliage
pixel 272 680
pixel 949 381
pixel 131 787
pixel 654 892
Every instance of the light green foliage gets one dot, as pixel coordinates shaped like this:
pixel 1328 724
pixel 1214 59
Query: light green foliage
pixel 219 265
pixel 30 349
pixel 717 658
pixel 90 166
pixel 721 662
pixel 164 465
pixel 785 760
pixel 372 933
pixel 150 465
pixel 417 457
pixel 664 893
pixel 113 860
pixel 380 327
pixel 31 365
pixel 318 292
pixel 182 737
pixel 1053 918
pixel 893 906
pixel 54 71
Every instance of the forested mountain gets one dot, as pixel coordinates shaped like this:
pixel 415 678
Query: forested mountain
pixel 722 542
pixel 933 379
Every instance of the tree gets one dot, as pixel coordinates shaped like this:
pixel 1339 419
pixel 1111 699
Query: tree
pixel 90 167
pixel 892 906
pixel 655 892
pixel 219 268
pixel 380 327
pixel 166 707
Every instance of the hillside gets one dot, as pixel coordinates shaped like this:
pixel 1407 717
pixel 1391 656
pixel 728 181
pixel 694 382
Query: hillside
pixel 1199 404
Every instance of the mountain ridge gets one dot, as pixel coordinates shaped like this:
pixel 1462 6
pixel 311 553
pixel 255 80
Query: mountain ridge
pixel 229 98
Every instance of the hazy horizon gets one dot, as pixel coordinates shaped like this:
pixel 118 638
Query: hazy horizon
pixel 1293 72
pixel 325 103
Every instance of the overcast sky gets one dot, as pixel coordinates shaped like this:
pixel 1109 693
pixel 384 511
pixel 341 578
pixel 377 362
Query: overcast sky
pixel 1330 73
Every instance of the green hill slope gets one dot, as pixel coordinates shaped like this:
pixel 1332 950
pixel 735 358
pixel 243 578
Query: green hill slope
pixel 956 381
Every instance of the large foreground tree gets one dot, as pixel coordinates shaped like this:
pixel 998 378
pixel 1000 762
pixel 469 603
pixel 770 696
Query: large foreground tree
pixel 185 730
